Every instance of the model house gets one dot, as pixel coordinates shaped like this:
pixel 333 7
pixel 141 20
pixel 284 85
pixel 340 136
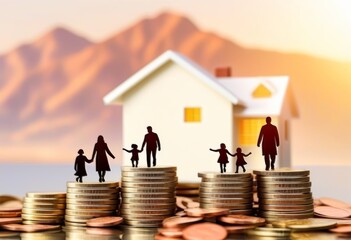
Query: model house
pixel 191 111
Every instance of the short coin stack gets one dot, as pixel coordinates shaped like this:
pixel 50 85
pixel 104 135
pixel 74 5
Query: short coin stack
pixel 44 208
pixel 189 190
pixel 90 200
pixel 148 195
pixel 227 190
pixel 284 194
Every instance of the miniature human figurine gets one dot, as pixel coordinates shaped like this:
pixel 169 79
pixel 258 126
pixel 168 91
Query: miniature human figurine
pixel 223 158
pixel 152 143
pixel 100 149
pixel 79 165
pixel 240 162
pixel 270 141
pixel 135 154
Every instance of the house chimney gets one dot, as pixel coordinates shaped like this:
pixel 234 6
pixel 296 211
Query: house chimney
pixel 223 72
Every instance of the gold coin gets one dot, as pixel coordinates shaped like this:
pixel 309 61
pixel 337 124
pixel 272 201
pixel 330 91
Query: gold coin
pixel 282 172
pixel 149 200
pixel 40 217
pixel 92 191
pixel 147 206
pixel 227 195
pixel 225 190
pixel 226 200
pixel 146 212
pixel 269 232
pixel 42 221
pixel 47 195
pixel 149 179
pixel 145 223
pixel 224 175
pixel 44 205
pixel 74 224
pixel 262 191
pixel 150 175
pixel 142 217
pixel 89 212
pixel 246 212
pixel 284 185
pixel 45 200
pixel 92 185
pixel 148 185
pixel 92 196
pixel 78 219
pixel 311 224
pixel 92 202
pixel 225 185
pixel 43 211
pixel 148 195
pixel 283 179
pixel 226 205
pixel 286 201
pixel 148 190
pixel 91 207
pixel 226 180
pixel 149 169
pixel 286 208
pixel 285 196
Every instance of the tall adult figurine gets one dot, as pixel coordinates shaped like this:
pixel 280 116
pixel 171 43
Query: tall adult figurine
pixel 152 143
pixel 100 149
pixel 270 141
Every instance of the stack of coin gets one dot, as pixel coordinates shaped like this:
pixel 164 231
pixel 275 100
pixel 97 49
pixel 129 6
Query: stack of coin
pixel 284 194
pixel 148 195
pixel 90 200
pixel 227 190
pixel 189 190
pixel 44 208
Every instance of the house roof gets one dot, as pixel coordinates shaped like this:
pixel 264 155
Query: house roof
pixel 115 96
pixel 238 90
pixel 243 88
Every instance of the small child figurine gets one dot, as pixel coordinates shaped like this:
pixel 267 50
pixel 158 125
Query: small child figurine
pixel 135 154
pixel 79 165
pixel 240 159
pixel 223 158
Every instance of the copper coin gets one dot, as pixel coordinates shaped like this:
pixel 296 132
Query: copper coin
pixel 171 232
pixel 341 229
pixel 30 228
pixel 206 213
pixel 176 221
pixel 103 231
pixel 182 202
pixel 181 214
pixel 159 236
pixel 10 214
pixel 104 221
pixel 241 219
pixel 10 209
pixel 10 220
pixel 240 228
pixel 334 202
pixel 205 231
pixel 317 202
pixel 331 212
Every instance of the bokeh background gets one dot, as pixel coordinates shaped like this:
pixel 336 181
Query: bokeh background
pixel 59 58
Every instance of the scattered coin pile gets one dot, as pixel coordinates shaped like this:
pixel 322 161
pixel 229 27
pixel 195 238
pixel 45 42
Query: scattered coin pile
pixel 148 195
pixel 284 194
pixel 44 208
pixel 189 190
pixel 90 200
pixel 92 234
pixel 332 208
pixel 227 190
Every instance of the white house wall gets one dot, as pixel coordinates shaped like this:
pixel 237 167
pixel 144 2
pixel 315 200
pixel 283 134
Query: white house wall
pixel 159 101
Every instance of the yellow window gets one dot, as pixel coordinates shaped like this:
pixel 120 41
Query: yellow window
pixel 192 114
pixel 249 130
pixel 261 92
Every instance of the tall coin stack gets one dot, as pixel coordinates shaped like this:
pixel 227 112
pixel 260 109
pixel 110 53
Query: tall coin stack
pixel 148 195
pixel 90 200
pixel 44 208
pixel 284 194
pixel 227 190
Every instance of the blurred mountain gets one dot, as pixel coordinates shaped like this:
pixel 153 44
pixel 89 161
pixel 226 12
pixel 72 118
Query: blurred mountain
pixel 51 90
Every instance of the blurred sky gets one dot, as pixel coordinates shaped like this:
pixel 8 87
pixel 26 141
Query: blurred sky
pixel 318 27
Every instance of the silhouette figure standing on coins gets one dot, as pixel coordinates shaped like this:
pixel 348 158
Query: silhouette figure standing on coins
pixel 152 143
pixel 270 141
pixel 223 157
pixel 240 161
pixel 135 154
pixel 79 165
pixel 100 150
